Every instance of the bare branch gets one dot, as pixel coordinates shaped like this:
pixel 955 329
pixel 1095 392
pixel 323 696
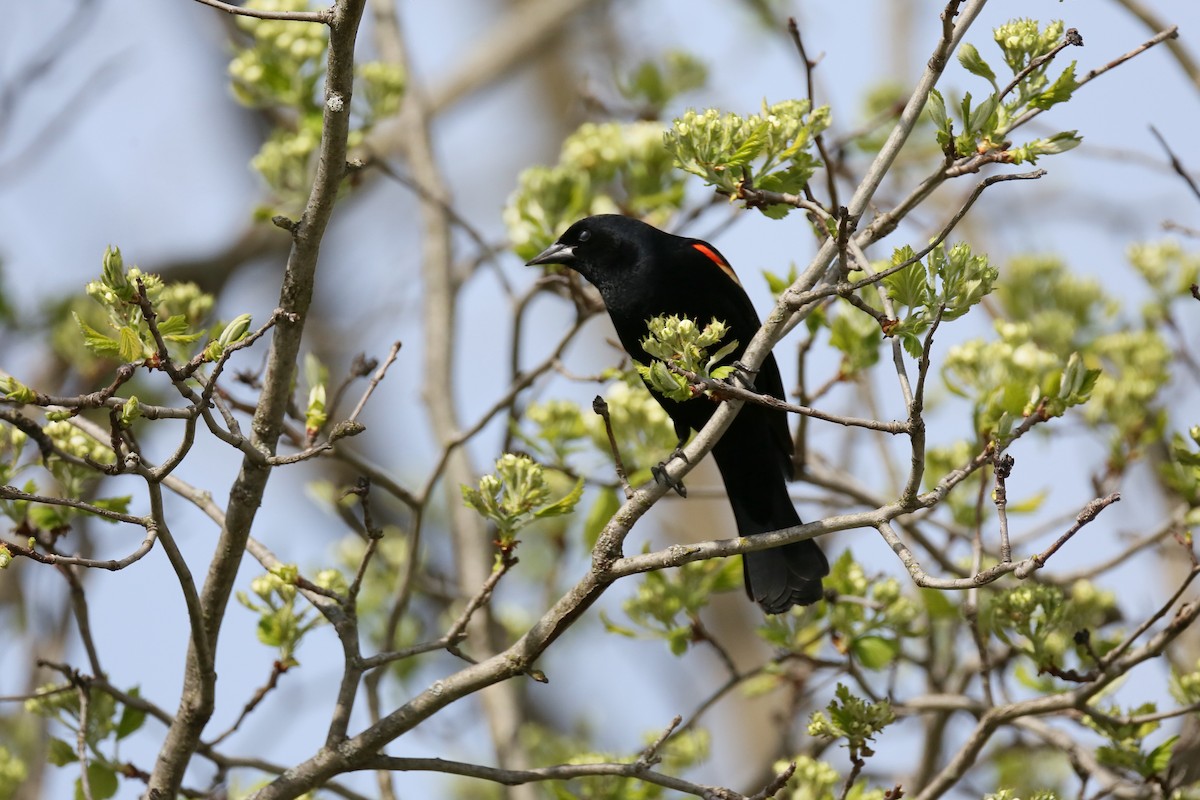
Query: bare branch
pixel 325 17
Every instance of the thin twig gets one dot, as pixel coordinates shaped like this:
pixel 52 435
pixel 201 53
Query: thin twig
pixel 601 407
pixel 323 17
pixel 1176 164
pixel 375 380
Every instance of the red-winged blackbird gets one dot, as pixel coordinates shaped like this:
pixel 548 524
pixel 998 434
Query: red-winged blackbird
pixel 642 272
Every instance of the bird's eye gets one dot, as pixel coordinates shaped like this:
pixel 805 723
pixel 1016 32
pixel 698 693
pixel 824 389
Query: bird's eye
pixel 584 236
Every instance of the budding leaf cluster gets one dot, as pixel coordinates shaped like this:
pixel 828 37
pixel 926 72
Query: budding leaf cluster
pixel 668 602
pixel 1044 622
pixel 603 168
pixel 1126 749
pixel 1182 473
pixel 283 68
pixel 771 151
pixel 852 718
pixel 130 338
pixel 515 495
pixel 680 343
pixel 281 624
pixel 947 285
pixel 565 434
pixel 105 725
pixel 983 125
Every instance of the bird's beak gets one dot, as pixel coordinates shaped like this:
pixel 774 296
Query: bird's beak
pixel 557 253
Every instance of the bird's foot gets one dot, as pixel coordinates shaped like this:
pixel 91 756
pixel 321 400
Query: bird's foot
pixel 659 471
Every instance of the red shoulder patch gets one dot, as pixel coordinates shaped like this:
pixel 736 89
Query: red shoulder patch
pixel 712 256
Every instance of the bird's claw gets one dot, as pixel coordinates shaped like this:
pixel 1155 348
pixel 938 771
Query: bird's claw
pixel 659 471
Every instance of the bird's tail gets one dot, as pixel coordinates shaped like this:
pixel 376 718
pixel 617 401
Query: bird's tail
pixel 781 577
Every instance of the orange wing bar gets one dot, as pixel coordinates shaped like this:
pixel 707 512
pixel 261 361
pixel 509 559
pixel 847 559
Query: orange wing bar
pixel 712 256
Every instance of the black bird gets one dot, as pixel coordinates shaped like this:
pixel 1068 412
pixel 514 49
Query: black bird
pixel 642 272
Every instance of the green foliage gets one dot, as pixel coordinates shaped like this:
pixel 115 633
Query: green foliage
pixel 771 151
pixel 1185 686
pixel 1136 368
pixel 642 429
pixel 1046 624
pixel 684 749
pixel 883 101
pixel 283 67
pixel 653 83
pixel 1063 311
pixel 870 627
pixel 1126 749
pixel 230 335
pixel 984 126
pixel 179 309
pixel 818 780
pixel 563 432
pixel 1168 271
pixel 668 602
pixel 280 623
pixel 603 168
pixel 1009 794
pixel 73 479
pixel 951 283
pixel 316 375
pixel 1030 771
pixel 1012 378
pixel 681 343
pixel 851 718
pixel 858 336
pixel 516 495
pixel 1058 314
pixel 868 622
pixel 1181 472
pixel 377 592
pixel 13 773
pixel 107 723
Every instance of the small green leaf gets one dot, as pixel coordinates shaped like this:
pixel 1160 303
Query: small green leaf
pixel 119 504
pixel 131 718
pixel 129 345
pixel 1030 504
pixel 565 505
pixel 102 780
pixel 980 120
pixel 968 56
pixel 1158 758
pixel 1059 92
pixel 937 114
pixel 751 147
pixel 613 627
pixel 173 326
pixel 874 652
pixel 59 753
pixel 97 342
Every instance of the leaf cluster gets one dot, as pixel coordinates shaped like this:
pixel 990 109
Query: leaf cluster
pixel 946 285
pixel 1046 623
pixel 516 495
pixel 681 343
pixel 668 603
pixel 853 719
pixel 107 724
pixel 984 126
pixel 281 624
pixel 612 167
pixel 281 67
pixel 770 151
